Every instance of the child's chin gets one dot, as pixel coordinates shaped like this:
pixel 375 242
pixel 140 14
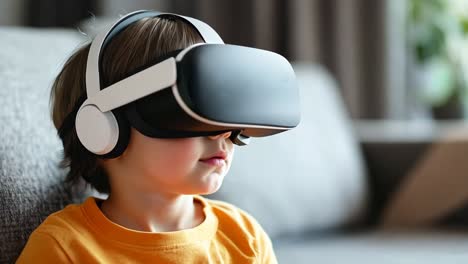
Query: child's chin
pixel 208 192
pixel 211 187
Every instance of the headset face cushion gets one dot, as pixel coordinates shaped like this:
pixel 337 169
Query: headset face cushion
pixel 221 88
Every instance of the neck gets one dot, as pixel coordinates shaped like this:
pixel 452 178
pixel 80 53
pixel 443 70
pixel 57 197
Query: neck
pixel 153 212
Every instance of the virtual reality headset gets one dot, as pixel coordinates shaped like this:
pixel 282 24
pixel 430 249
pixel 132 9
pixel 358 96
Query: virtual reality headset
pixel 205 89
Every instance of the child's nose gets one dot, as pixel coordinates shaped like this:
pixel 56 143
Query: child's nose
pixel 222 135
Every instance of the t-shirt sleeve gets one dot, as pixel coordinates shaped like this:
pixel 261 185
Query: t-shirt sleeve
pixel 265 247
pixel 42 248
pixel 262 244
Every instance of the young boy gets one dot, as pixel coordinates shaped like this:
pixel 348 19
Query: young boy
pixel 153 213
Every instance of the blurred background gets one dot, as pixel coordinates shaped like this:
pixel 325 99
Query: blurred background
pixel 383 136
pixel 393 59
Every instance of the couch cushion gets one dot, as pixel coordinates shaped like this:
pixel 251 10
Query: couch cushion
pixel 31 185
pixel 310 178
pixel 415 247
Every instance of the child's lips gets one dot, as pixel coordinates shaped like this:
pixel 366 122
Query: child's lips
pixel 219 162
pixel 217 159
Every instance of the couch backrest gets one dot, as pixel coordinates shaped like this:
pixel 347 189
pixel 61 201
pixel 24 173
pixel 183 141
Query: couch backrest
pixel 31 183
pixel 308 179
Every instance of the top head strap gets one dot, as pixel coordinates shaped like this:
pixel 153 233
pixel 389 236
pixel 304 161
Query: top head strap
pixel 93 84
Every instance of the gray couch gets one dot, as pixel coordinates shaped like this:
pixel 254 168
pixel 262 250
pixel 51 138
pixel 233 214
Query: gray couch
pixel 309 188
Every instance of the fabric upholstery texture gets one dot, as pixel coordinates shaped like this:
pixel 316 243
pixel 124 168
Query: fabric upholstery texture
pixel 31 183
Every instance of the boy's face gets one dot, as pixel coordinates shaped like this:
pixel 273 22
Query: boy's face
pixel 176 166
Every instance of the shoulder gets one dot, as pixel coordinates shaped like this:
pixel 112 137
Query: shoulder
pixel 70 217
pixel 239 227
pixel 227 212
pixel 46 242
pixel 43 248
pixel 65 225
pixel 236 222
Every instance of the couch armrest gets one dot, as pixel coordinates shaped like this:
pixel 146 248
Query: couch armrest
pixel 389 156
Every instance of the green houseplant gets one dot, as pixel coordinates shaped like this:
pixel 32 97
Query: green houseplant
pixel 437 31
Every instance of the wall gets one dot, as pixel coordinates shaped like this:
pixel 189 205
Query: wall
pixel 12 12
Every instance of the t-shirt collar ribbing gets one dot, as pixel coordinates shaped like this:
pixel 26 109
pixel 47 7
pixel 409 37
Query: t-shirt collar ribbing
pixel 105 227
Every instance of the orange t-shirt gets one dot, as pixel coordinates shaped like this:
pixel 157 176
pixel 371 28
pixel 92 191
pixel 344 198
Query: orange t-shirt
pixel 82 234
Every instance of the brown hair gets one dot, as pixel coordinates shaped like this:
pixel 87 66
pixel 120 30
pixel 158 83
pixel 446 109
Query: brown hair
pixel 135 47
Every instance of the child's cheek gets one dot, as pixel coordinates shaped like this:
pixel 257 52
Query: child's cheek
pixel 185 152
